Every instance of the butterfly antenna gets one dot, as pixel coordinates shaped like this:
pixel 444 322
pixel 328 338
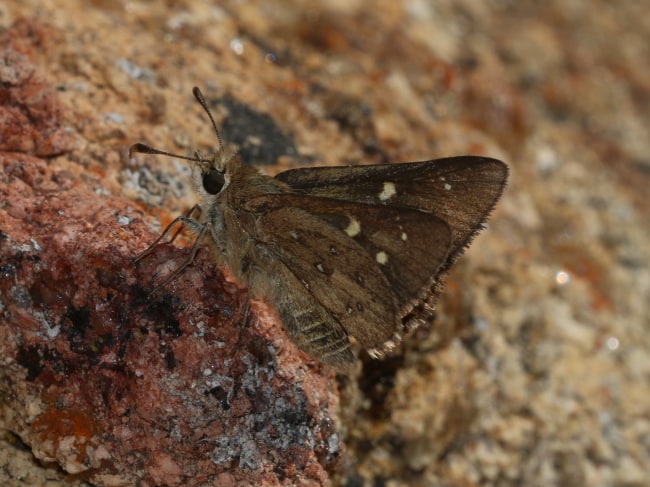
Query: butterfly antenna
pixel 145 149
pixel 201 99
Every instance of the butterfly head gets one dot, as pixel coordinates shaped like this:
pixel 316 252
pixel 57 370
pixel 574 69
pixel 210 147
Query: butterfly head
pixel 211 174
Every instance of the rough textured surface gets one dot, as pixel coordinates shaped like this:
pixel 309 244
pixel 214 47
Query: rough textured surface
pixel 182 388
pixel 537 371
pixel 191 386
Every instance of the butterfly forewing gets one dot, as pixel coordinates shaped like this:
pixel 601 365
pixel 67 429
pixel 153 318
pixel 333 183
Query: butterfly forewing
pixel 460 191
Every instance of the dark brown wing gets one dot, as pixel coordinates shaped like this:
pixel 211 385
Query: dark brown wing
pixel 307 323
pixel 460 191
pixel 359 262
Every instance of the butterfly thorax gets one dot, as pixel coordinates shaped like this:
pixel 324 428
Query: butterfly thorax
pixel 232 216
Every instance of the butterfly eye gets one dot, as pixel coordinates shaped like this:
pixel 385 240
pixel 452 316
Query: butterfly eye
pixel 213 181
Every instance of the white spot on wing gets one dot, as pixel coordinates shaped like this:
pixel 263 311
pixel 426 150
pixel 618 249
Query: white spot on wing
pixel 382 257
pixel 320 268
pixel 354 228
pixel 387 192
pixel 447 186
pixel 404 236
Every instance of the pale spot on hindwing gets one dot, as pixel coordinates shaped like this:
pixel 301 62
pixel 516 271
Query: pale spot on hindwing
pixel 404 236
pixel 447 186
pixel 387 192
pixel 320 268
pixel 354 227
pixel 382 257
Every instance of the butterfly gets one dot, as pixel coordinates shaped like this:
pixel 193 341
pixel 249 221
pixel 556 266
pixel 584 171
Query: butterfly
pixel 347 253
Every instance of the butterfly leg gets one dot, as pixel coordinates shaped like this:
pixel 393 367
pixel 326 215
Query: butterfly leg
pixel 191 214
pixel 202 229
pixel 186 219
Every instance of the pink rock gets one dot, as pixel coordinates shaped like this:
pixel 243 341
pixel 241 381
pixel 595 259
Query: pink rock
pixel 186 387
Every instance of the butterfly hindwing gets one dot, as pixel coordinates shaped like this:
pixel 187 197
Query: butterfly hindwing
pixel 307 323
pixel 353 291
pixel 362 263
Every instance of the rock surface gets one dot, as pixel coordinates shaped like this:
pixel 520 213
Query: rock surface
pixel 537 370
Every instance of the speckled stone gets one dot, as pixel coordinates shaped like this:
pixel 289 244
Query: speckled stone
pixel 537 369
